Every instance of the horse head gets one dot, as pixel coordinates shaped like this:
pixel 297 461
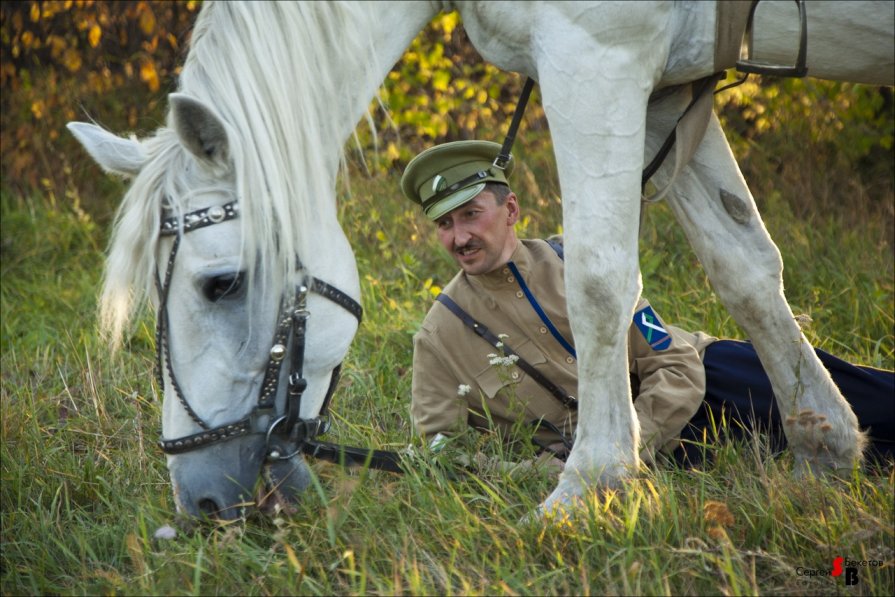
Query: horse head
pixel 247 353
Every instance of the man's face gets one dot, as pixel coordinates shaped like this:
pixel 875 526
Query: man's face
pixel 479 235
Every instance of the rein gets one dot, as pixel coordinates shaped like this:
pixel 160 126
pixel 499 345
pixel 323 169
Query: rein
pixel 286 433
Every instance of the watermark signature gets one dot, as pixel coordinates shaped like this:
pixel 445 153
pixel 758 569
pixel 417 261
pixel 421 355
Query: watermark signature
pixel 842 567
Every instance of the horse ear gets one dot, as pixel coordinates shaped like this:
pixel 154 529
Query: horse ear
pixel 200 130
pixel 117 155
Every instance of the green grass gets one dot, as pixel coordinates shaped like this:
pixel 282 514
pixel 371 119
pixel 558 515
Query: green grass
pixel 83 487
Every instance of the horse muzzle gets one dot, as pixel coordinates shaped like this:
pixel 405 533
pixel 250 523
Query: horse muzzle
pixel 219 480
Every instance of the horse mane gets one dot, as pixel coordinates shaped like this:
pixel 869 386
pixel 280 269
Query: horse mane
pixel 274 72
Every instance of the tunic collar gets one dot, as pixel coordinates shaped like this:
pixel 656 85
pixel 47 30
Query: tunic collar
pixel 502 278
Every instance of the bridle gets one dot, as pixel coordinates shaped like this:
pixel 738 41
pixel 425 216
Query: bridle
pixel 286 433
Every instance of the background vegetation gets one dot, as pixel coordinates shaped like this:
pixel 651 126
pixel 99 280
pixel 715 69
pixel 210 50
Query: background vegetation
pixel 83 487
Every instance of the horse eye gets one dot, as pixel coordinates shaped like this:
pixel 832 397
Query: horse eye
pixel 219 287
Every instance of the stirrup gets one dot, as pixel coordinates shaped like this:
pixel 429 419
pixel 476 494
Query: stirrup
pixel 799 69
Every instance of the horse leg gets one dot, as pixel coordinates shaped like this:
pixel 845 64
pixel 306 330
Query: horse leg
pixel 714 205
pixel 602 286
pixel 597 115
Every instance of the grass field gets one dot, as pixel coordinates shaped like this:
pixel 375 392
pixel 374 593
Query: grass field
pixel 84 488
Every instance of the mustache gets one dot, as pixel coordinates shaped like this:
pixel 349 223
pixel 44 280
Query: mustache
pixel 467 247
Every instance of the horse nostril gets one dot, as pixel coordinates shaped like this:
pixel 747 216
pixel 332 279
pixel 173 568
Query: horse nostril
pixel 208 507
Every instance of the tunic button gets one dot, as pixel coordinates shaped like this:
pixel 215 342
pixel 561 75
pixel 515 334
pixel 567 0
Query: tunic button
pixel 519 294
pixel 570 360
pixel 511 279
pixel 515 375
pixel 506 270
pixel 543 330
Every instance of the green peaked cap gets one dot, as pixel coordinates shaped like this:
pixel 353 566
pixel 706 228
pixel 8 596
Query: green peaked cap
pixel 446 176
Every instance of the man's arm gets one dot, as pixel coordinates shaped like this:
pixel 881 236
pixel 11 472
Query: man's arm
pixel 671 375
pixel 437 405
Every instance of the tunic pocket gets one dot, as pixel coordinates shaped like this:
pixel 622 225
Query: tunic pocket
pixel 496 377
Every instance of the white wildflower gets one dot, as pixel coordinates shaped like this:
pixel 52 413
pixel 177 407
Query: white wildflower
pixel 463 389
pixel 507 361
pixel 165 532
pixel 503 336
pixel 438 442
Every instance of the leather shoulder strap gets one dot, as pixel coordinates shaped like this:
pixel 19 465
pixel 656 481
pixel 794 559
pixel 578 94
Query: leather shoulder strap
pixel 557 247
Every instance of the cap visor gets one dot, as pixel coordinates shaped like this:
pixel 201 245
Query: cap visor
pixel 453 201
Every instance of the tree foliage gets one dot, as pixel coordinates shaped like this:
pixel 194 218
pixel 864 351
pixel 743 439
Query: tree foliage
pixel 66 60
pixel 116 61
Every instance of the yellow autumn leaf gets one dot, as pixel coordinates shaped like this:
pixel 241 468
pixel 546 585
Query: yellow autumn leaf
pixel 392 152
pixel 440 80
pixel 147 21
pixel 37 109
pixel 35 12
pixel 149 75
pixel 94 36
pixel 72 60
pixel 449 22
pixel 57 45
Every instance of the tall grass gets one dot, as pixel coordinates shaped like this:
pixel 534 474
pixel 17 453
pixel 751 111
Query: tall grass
pixel 83 488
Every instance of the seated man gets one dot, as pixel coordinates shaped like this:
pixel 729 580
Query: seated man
pixel 497 347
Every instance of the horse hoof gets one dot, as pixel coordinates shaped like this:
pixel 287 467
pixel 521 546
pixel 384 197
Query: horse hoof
pixel 819 447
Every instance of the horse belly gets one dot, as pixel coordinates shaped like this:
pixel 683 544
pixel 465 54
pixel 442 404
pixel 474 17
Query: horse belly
pixel 515 36
pixel 500 31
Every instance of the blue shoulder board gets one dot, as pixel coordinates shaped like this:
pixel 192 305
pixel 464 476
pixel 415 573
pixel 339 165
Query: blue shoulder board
pixel 649 325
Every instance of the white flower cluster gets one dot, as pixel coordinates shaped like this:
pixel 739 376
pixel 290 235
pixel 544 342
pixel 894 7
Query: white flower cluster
pixel 463 389
pixel 507 361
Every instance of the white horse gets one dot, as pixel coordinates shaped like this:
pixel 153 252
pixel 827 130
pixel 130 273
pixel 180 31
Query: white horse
pixel 268 96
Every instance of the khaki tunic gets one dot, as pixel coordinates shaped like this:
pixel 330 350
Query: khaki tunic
pixel 669 384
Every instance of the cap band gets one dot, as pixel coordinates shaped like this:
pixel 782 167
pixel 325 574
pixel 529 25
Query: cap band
pixel 455 187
